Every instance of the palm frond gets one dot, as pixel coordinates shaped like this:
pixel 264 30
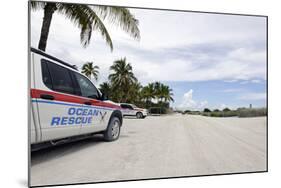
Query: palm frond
pixel 121 17
pixel 87 20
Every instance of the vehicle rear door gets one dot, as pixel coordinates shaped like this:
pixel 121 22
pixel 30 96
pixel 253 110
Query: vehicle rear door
pixel 54 95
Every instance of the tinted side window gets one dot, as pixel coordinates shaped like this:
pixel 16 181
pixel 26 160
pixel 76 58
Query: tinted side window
pixel 61 78
pixel 87 88
pixel 126 106
pixel 130 107
pixel 46 75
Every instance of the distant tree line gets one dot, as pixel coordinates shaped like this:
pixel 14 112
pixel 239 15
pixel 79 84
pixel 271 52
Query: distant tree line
pixel 226 112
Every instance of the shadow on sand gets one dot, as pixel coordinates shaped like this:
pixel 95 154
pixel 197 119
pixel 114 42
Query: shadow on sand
pixel 58 151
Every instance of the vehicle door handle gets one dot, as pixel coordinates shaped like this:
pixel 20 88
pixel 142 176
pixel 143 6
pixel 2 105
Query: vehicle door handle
pixel 46 96
pixel 88 103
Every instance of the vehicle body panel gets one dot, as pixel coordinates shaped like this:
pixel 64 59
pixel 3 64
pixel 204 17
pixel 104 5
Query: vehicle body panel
pixel 64 115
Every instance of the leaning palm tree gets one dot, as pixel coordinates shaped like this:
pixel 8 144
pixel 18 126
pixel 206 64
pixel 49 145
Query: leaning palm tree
pixel 122 77
pixel 88 19
pixel 88 69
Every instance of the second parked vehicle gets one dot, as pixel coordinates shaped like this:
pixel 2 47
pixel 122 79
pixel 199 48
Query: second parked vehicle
pixel 133 110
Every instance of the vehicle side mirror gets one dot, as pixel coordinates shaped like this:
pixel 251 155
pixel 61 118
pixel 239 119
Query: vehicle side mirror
pixel 104 97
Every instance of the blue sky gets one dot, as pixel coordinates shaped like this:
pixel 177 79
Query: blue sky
pixel 219 94
pixel 209 60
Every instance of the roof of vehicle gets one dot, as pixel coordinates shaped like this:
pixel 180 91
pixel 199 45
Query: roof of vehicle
pixel 37 51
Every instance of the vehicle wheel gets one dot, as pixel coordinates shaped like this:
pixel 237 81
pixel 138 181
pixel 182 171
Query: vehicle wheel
pixel 113 130
pixel 139 115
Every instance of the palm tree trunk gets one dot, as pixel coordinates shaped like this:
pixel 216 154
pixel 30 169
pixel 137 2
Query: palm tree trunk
pixel 49 10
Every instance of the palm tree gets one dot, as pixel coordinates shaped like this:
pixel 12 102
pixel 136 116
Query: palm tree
pixel 157 90
pixel 87 19
pixel 167 93
pixel 134 93
pixel 88 69
pixel 161 91
pixel 105 88
pixel 122 77
pixel 147 93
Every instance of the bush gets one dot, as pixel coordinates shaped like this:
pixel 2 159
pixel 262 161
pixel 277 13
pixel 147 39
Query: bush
pixel 224 114
pixel 252 112
pixel 157 110
pixel 226 110
pixel 207 110
pixel 230 113
pixel 216 114
pixel 206 113
pixel 240 112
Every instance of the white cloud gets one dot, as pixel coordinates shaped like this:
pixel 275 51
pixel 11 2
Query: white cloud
pixel 230 81
pixel 189 103
pixel 174 46
pixel 253 96
pixel 256 81
pixel 231 90
pixel 222 106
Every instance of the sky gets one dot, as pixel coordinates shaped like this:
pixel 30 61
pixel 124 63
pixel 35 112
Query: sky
pixel 209 60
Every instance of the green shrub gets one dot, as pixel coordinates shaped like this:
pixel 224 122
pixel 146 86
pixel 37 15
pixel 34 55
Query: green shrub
pixel 252 112
pixel 240 112
pixel 226 110
pixel 224 114
pixel 207 110
pixel 206 113
pixel 216 114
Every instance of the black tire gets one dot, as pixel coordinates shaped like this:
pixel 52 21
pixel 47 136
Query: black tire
pixel 139 115
pixel 112 132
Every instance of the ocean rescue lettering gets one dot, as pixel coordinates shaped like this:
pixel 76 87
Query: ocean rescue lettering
pixel 76 116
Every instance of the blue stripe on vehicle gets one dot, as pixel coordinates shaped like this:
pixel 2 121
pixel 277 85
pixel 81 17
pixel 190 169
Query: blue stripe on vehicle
pixel 68 104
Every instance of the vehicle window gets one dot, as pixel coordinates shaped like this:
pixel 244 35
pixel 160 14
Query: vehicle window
pixel 123 106
pixel 47 80
pixel 61 78
pixel 87 88
pixel 127 106
pixel 130 107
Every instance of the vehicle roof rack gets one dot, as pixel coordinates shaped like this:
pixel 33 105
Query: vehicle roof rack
pixel 52 57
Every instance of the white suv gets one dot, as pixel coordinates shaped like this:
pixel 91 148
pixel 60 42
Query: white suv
pixel 65 104
pixel 133 110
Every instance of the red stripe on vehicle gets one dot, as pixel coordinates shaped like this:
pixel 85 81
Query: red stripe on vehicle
pixel 36 93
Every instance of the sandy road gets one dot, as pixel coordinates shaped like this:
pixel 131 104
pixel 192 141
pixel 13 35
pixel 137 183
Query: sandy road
pixel 175 145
